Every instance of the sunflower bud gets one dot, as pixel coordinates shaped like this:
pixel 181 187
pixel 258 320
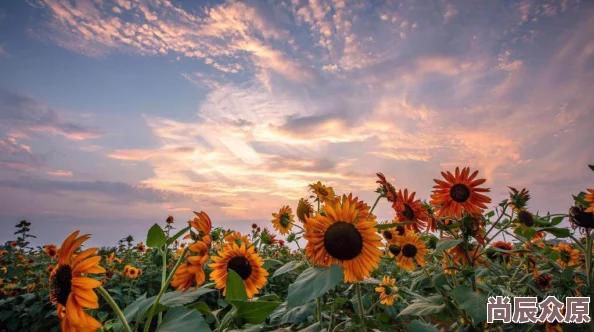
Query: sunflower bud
pixel 291 237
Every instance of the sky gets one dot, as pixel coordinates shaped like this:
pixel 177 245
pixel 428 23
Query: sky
pixel 115 114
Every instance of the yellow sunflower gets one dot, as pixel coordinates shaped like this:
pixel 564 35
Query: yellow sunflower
pixel 459 192
pixel 140 247
pixel 387 290
pixel 245 262
pixel 304 210
pixel 568 256
pixel 70 289
pixel 50 250
pixel 323 193
pixel 132 272
pixel 346 235
pixel 283 220
pixel 589 197
pixel 410 210
pixel 112 258
pixel 412 249
pixel 237 238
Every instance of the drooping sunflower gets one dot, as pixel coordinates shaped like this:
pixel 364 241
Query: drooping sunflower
pixel 412 249
pixel 579 218
pixel 51 250
pixel 304 210
pixel 346 235
pixel 459 192
pixel 387 290
pixel 283 220
pixel 70 289
pixel 386 188
pixel 190 273
pixel 589 197
pixel 410 210
pixel 245 262
pixel 498 255
pixel 324 194
pixel 568 256
pixel 237 238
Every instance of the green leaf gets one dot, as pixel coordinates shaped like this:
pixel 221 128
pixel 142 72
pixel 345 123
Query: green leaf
pixel 290 266
pixel 474 303
pixel 392 225
pixel 557 232
pixel 283 315
pixel 254 312
pixel 180 319
pixel 177 235
pixel 270 263
pixel 177 299
pixel 235 288
pixel 313 282
pixel 425 306
pixel 312 328
pixel 418 326
pixel 445 244
pixel 156 237
pixel 557 220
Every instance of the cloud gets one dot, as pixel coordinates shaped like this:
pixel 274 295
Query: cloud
pixel 3 52
pixel 21 113
pixel 60 173
pixel 18 156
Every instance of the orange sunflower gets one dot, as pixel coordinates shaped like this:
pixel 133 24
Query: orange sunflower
pixel 190 273
pixel 386 188
pixel 323 193
pixel 346 235
pixel 70 289
pixel 410 210
pixel 458 257
pixel 498 255
pixel 283 220
pixel 412 249
pixel 203 225
pixel 568 256
pixel 237 238
pixel 459 192
pixel 50 250
pixel 245 262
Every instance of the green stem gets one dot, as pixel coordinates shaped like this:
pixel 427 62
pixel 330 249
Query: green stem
pixel 515 272
pixel 360 302
pixel 163 289
pixel 115 308
pixel 319 306
pixel 373 207
pixel 163 276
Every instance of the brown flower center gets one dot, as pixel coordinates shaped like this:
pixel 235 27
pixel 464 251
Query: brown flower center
pixel 241 266
pixel 343 241
pixel 400 230
pixel 387 235
pixel 61 284
pixel 526 218
pixel 394 249
pixel 285 220
pixel 323 192
pixel 460 193
pixel 409 250
pixel 408 212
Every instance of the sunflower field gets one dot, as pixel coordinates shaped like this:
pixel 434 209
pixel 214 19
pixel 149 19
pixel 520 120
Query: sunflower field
pixel 329 265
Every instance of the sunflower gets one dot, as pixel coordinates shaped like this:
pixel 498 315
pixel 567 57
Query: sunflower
pixel 498 255
pixel 459 192
pixel 268 238
pixel 50 250
pixel 245 262
pixel 589 197
pixel 190 273
pixel 387 290
pixel 50 269
pixel 409 210
pixel 140 247
pixel 203 225
pixel 70 290
pixel 304 210
pixel 412 249
pixel 112 258
pixel 518 199
pixel 543 281
pixel 568 256
pixel 323 193
pixel 237 238
pixel 578 217
pixel 283 220
pixel 346 235
pixel 458 257
pixel 526 218
pixel 386 188
pixel 3 252
pixel 169 220
pixel 30 287
pixel 13 244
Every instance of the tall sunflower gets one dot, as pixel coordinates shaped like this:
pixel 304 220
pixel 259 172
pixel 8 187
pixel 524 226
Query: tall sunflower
pixel 323 194
pixel 568 256
pixel 51 250
pixel 283 220
pixel 346 235
pixel 412 249
pixel 410 210
pixel 245 262
pixel 70 289
pixel 387 290
pixel 459 192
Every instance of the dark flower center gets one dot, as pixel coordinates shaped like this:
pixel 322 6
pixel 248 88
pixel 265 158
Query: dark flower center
pixel 409 250
pixel 387 235
pixel 543 281
pixel 343 241
pixel 323 192
pixel 284 220
pixel 132 272
pixel 460 193
pixel 241 266
pixel 394 249
pixel 61 284
pixel 526 218
pixel 408 212
pixel 565 256
pixel 579 218
pixel 400 230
